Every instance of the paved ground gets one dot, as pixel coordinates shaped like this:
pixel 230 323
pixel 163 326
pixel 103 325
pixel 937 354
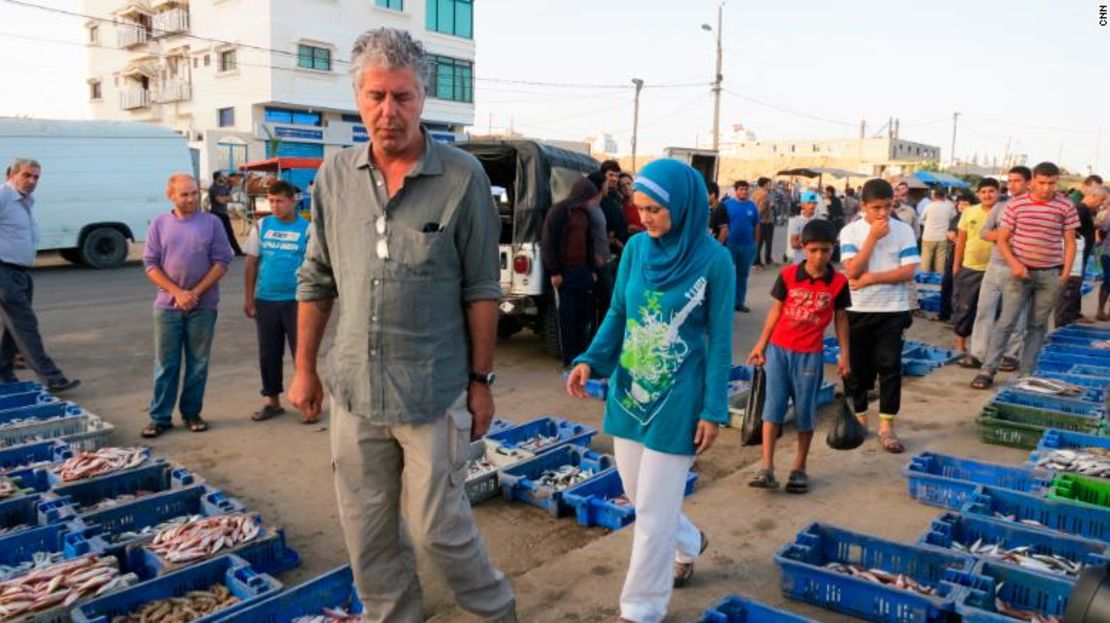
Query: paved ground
pixel 98 326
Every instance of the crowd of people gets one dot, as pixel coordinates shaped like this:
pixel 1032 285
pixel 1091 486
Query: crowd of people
pixel 649 272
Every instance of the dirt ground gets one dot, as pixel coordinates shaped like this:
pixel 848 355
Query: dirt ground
pixel 97 325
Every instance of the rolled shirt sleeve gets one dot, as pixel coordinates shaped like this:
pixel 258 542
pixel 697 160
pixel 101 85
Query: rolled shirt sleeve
pixel 477 237
pixel 315 279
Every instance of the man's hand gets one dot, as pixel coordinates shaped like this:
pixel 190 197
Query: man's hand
pixel 576 380
pixel 879 229
pixel 843 368
pixel 1065 277
pixel 479 401
pixel 249 309
pixel 307 395
pixel 1019 271
pixel 556 281
pixel 184 300
pixel 756 357
pixel 705 435
pixel 861 282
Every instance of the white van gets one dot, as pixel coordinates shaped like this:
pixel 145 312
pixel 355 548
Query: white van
pixel 102 182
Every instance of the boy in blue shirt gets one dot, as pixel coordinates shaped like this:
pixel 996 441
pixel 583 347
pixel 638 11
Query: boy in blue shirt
pixel 275 251
pixel 807 296
pixel 743 222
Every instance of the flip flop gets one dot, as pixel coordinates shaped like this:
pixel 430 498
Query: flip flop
pixel 982 381
pixel 196 425
pixel 309 420
pixel 967 361
pixel 764 479
pixel 891 443
pixel 1009 364
pixel 267 412
pixel 798 482
pixel 154 429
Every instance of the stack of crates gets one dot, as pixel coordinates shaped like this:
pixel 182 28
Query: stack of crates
pixel 918 358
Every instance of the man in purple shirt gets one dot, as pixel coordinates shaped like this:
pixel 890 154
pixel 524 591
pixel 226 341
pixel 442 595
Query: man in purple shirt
pixel 186 254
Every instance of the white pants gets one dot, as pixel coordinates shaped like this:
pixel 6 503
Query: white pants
pixel 655 483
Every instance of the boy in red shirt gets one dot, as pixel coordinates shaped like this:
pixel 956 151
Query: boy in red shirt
pixel 806 297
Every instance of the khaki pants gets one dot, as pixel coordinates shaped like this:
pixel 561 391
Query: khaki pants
pixel 933 255
pixel 372 463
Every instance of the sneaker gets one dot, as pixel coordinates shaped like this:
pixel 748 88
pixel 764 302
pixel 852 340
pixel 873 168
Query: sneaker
pixel 61 385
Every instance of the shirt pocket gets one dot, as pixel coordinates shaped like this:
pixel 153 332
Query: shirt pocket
pixel 423 254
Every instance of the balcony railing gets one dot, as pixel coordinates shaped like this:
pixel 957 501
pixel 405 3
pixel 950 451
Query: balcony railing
pixel 130 35
pixel 170 22
pixel 131 98
pixel 172 91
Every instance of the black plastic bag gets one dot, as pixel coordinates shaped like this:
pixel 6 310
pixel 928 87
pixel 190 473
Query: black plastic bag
pixel 847 433
pixel 751 431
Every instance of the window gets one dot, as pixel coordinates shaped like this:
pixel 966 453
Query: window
pixel 226 60
pixel 349 118
pixel 292 117
pixel 452 79
pixel 311 57
pixel 94 34
pixel 392 5
pixel 226 117
pixel 207 60
pixel 452 17
pixel 94 89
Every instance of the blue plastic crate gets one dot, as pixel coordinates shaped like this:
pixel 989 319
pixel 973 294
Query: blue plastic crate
pixel 597 389
pixel 929 352
pixel 1095 389
pixel 1018 587
pixel 952 528
pixel 1051 515
pixel 266 553
pixel 737 609
pixel 1070 406
pixel 20 387
pixel 1055 439
pixel 805 577
pixel 26 399
pixel 231 571
pixel 56 480
pixel 743 372
pixel 1055 361
pixel 1090 370
pixel 499 424
pixel 1082 329
pixel 929 302
pixel 41 411
pixel 565 431
pixel 152 478
pixel 32 511
pixel 593 505
pixel 82 432
pixel 153 510
pixel 29 454
pixel 1071 339
pixel 518 482
pixel 929 279
pixel 1057 348
pixel 334 589
pixel 948 481
pixel 72 539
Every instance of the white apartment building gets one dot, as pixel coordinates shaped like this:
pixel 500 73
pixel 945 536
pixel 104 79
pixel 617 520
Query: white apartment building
pixel 251 79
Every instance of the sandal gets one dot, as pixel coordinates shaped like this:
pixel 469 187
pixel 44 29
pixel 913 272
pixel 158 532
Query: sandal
pixel 891 443
pixel 154 429
pixel 197 425
pixel 764 479
pixel 309 420
pixel 798 482
pixel 684 571
pixel 967 361
pixel 266 413
pixel 982 381
pixel 1009 364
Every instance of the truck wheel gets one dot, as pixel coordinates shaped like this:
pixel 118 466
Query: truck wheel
pixel 507 326
pixel 552 343
pixel 104 247
pixel 73 256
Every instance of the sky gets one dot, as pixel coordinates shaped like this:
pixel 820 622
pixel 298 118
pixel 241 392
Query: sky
pixel 1030 73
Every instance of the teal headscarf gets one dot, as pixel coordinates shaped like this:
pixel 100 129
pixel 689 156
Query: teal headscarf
pixel 684 250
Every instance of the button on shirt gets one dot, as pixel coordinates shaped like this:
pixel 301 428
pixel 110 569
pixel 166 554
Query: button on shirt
pixel 401 354
pixel 18 230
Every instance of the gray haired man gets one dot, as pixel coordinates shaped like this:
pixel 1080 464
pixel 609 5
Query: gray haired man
pixel 405 234
pixel 18 242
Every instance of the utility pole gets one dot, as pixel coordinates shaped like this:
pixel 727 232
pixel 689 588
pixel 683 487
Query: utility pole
pixel 718 77
pixel 955 120
pixel 635 119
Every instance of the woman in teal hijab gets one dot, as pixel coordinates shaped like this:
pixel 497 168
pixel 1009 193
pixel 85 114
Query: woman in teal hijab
pixel 666 347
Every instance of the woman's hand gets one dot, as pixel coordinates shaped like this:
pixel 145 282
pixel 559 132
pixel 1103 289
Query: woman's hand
pixel 705 435
pixel 576 381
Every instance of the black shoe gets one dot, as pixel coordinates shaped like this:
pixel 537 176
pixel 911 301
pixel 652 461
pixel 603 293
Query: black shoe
pixel 743 309
pixel 61 385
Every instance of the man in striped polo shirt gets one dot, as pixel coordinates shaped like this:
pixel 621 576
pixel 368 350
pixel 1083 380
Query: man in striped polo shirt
pixel 1037 239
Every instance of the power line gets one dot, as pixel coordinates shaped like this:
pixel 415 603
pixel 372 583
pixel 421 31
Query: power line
pixel 790 111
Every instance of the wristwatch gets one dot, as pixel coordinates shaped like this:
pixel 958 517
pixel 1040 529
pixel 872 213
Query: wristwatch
pixel 485 378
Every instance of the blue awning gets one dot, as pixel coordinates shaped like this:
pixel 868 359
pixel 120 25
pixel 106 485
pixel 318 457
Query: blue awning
pixel 943 179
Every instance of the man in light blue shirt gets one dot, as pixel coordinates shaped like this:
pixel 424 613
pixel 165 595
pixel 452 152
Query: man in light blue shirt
pixel 18 240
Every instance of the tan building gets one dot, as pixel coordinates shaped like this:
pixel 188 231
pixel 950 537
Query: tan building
pixel 872 157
